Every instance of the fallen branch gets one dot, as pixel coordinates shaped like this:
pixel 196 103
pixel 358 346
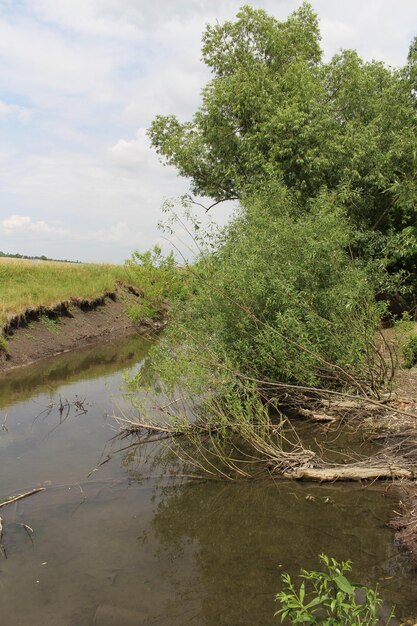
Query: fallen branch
pixel 317 417
pixel 21 496
pixel 349 473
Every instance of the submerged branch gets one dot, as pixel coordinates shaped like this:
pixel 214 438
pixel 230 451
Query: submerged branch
pixel 21 496
pixel 245 451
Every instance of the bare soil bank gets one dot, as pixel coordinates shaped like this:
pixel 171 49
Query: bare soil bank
pixel 45 332
pixel 405 429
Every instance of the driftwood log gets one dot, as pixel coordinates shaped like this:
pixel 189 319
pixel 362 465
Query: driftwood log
pixel 349 473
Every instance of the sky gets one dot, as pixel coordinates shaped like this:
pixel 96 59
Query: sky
pixel 81 81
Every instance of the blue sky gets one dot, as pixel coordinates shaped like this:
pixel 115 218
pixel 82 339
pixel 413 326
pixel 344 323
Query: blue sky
pixel 81 80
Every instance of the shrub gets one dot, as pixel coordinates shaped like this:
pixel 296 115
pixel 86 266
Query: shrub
pixel 159 279
pixel 279 298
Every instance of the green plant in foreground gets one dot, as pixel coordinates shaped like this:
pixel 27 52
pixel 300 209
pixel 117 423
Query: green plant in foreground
pixel 409 351
pixel 328 598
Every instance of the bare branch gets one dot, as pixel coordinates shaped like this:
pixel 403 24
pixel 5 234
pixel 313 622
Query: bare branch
pixel 207 208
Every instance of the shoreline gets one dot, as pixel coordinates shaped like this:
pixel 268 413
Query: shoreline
pixel 47 332
pixel 50 331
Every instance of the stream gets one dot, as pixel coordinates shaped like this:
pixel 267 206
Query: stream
pixel 123 543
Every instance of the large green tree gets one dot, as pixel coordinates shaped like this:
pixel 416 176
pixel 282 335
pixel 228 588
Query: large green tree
pixel 274 111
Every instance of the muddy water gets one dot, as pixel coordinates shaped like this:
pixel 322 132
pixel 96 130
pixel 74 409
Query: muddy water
pixel 172 552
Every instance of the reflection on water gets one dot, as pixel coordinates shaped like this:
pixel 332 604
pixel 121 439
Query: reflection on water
pixel 242 536
pixel 87 363
pixel 36 448
pixel 173 551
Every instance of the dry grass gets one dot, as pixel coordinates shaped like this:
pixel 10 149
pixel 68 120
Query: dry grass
pixel 26 284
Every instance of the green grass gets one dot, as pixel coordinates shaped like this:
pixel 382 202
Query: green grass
pixel 52 325
pixel 27 285
pixel 3 344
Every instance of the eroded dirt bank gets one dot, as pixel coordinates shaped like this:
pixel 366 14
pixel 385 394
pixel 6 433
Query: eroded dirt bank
pixel 43 332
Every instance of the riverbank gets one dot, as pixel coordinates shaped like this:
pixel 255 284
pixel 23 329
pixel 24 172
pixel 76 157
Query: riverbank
pixel 28 285
pixel 47 331
pixel 48 308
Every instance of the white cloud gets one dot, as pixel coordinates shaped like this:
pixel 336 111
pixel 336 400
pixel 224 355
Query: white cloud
pixel 126 181
pixel 8 110
pixel 14 222
pixel 24 228
pixel 35 58
pixel 21 223
pixel 134 154
pixel 87 17
pixel 378 29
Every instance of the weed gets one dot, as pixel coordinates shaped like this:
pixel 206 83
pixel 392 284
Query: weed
pixel 330 600
pixel 409 351
pixel 134 313
pixel 52 324
pixel 4 346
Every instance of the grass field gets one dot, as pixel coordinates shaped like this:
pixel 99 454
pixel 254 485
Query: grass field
pixel 26 284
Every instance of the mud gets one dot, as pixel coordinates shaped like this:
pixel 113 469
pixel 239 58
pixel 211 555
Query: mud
pixel 46 332
pixel 403 429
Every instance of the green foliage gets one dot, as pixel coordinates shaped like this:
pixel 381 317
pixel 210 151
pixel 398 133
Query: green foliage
pixel 322 159
pixel 406 339
pixel 159 278
pixel 404 325
pixel 278 298
pixel 328 598
pixel 274 111
pixel 409 351
pixel 226 145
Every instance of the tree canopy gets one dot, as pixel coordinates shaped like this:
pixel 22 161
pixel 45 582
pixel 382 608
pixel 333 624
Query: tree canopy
pixel 322 156
pixel 275 111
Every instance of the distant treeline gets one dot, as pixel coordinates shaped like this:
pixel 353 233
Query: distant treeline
pixel 34 258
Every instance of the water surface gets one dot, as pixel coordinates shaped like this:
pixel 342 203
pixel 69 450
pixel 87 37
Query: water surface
pixel 173 551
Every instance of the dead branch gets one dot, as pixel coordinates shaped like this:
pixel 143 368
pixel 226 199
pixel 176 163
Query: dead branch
pixel 207 208
pixel 349 473
pixel 2 548
pixel 405 524
pixel 317 417
pixel 361 401
pixel 131 427
pixel 29 532
pixel 21 496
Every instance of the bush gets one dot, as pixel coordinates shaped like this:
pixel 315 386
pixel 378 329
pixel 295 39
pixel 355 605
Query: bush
pixel 159 279
pixel 278 299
